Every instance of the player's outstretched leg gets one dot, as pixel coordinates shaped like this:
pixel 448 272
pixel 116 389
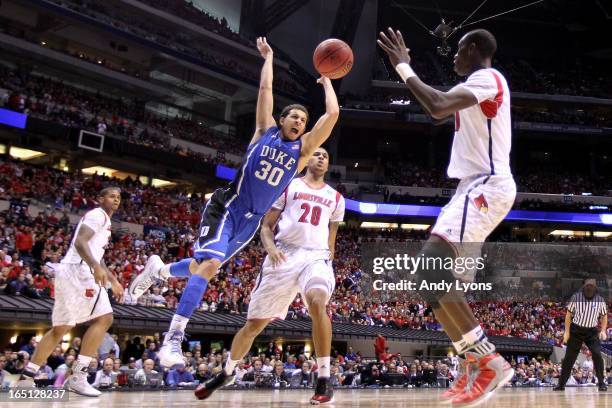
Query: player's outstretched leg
pixel 316 298
pixel 241 344
pixel 493 371
pixel 151 272
pixel 171 353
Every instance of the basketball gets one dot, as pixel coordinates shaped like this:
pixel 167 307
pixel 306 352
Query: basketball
pixel 333 58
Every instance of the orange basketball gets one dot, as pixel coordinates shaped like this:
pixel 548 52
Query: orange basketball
pixel 333 58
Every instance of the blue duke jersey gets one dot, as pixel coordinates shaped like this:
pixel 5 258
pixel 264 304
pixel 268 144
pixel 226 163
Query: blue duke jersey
pixel 268 168
pixel 232 216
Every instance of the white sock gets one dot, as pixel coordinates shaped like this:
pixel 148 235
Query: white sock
pixel 477 342
pixel 323 366
pixel 230 364
pixel 473 335
pixel 178 323
pixel 82 364
pixel 460 346
pixel 32 368
pixel 164 272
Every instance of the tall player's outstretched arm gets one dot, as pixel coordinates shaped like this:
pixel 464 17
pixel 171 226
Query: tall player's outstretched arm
pixel 437 103
pixel 324 126
pixel 267 236
pixel 265 99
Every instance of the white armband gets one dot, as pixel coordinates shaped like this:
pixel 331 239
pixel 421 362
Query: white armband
pixel 405 71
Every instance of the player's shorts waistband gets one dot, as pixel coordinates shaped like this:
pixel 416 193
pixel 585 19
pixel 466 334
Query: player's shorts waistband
pixel 473 177
pixel 290 247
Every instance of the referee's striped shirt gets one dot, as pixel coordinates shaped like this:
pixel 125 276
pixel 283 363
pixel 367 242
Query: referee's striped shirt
pixel 585 312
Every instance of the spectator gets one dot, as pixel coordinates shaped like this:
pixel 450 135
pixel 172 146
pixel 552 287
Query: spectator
pixel 179 377
pixel 375 378
pixel 350 355
pixel 303 377
pixel 202 374
pixel 30 347
pixel 3 372
pixel 143 375
pixel 56 358
pixel 131 365
pixel 290 364
pixel 140 362
pixel 279 376
pixel 92 370
pixel 254 372
pixel 106 377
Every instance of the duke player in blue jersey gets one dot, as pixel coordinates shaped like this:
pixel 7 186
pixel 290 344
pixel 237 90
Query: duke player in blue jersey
pixel 232 216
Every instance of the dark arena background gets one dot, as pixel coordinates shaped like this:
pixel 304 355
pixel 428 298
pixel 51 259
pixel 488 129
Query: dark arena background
pixel 158 98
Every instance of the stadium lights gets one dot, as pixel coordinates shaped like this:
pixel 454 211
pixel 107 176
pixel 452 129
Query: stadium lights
pixel 106 171
pixel 13 339
pixel 368 224
pixel 415 227
pixel 563 232
pixel 570 233
pixel 161 183
pixel 24 154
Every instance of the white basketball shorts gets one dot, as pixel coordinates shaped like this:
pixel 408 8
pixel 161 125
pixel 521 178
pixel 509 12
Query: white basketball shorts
pixel 78 298
pixel 480 203
pixel 277 287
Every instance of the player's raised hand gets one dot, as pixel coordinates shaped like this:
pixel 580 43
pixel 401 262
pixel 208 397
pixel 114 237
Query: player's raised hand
pixel 263 47
pixel 276 256
pixel 393 44
pixel 323 80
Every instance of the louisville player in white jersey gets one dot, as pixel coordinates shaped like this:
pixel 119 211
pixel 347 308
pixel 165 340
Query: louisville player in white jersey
pixel 299 260
pixel 480 158
pixel 80 294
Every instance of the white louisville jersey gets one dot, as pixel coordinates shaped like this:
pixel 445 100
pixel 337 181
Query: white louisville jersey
pixel 306 214
pixel 99 221
pixel 483 132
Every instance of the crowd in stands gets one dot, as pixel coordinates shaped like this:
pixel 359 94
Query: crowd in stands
pixel 32 243
pixel 128 361
pixel 71 106
pixel 580 77
pixel 181 42
pixel 65 192
pixel 549 178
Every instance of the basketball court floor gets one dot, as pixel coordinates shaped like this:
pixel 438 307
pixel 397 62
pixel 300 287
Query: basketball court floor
pixel 506 398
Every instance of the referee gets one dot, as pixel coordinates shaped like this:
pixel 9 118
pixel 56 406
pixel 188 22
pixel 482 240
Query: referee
pixel 585 310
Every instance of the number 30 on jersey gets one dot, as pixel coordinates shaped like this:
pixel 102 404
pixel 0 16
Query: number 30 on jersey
pixel 269 173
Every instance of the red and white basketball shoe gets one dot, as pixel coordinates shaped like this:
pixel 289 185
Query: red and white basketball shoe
pixel 461 383
pixel 493 373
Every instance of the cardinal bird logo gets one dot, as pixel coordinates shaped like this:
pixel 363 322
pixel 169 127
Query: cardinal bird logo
pixel 89 293
pixel 481 203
